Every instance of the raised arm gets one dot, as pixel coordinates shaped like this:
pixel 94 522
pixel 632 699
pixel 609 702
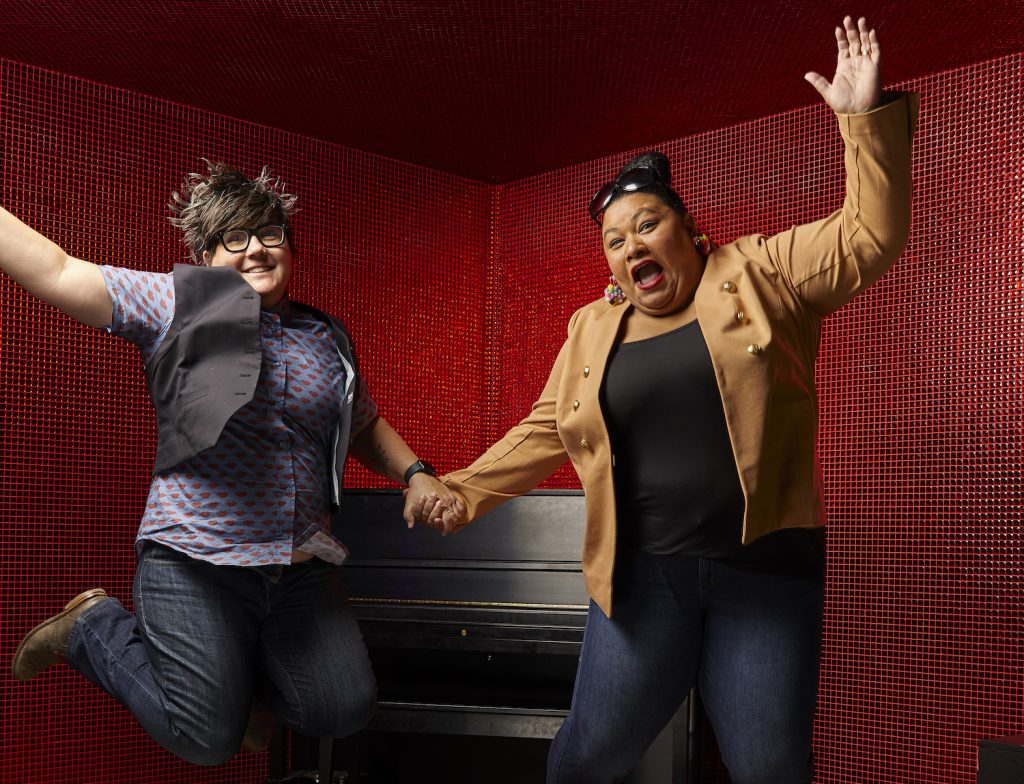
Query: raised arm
pixel 828 262
pixel 44 270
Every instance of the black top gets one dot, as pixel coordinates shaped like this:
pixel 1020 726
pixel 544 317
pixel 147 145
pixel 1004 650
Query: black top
pixel 676 484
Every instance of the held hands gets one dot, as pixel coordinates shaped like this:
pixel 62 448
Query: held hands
pixel 428 501
pixel 857 85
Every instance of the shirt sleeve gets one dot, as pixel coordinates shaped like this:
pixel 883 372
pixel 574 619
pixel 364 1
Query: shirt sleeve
pixel 143 306
pixel 828 262
pixel 364 409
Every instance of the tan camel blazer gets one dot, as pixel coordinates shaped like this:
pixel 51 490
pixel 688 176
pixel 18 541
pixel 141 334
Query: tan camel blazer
pixel 760 304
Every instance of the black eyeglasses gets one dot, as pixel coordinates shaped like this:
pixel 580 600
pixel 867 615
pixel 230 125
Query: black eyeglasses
pixel 628 182
pixel 234 240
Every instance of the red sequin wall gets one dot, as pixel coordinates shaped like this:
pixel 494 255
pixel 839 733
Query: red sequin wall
pixel 921 393
pixel 396 251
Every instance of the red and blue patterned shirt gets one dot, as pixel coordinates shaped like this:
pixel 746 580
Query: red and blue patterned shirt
pixel 262 489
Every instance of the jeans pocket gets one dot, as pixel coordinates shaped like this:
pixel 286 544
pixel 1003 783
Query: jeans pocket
pixel 157 554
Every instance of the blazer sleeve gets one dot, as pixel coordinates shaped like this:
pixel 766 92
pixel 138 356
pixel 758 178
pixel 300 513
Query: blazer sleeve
pixel 523 458
pixel 828 262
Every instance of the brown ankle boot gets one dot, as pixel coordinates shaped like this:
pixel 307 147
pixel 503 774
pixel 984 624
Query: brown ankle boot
pixel 48 642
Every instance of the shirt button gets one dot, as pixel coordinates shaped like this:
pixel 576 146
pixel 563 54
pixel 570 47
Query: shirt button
pixel 584 444
pixel 575 405
pixel 754 350
pixel 729 287
pixel 741 317
pixel 586 371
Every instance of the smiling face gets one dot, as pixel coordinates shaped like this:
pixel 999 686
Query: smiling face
pixel 267 270
pixel 650 250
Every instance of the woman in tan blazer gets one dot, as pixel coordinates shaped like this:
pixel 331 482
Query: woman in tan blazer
pixel 686 402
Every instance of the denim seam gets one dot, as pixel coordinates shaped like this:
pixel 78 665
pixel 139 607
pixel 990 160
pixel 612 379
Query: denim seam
pixel 561 754
pixel 75 634
pixel 140 616
pixel 117 663
pixel 288 680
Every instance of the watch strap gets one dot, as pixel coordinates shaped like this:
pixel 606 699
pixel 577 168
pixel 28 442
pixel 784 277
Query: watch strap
pixel 415 468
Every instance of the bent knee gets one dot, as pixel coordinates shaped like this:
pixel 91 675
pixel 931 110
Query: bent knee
pixel 208 751
pixel 350 713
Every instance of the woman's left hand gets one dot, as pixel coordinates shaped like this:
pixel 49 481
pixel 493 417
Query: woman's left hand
pixel 429 502
pixel 857 85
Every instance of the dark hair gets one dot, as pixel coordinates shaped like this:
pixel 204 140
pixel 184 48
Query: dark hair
pixel 224 198
pixel 662 186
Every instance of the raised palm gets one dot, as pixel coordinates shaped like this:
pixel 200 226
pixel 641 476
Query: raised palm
pixel 857 85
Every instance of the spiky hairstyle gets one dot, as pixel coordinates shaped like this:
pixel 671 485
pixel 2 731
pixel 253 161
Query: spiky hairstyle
pixel 224 198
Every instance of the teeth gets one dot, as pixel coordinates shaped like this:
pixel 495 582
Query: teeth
pixel 258 269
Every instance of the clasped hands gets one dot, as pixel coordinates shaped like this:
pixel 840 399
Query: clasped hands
pixel 429 502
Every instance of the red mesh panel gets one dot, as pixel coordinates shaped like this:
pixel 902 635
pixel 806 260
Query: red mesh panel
pixel 921 393
pixel 396 251
pixel 921 442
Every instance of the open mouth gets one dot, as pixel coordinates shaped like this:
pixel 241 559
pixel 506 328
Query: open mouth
pixel 647 275
pixel 258 270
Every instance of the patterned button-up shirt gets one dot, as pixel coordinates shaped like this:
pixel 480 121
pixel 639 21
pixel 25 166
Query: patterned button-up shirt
pixel 262 489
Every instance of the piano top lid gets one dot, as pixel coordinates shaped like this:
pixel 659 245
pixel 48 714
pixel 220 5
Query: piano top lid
pixel 543 529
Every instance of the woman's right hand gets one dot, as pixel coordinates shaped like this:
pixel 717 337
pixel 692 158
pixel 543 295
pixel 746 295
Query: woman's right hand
pixel 857 85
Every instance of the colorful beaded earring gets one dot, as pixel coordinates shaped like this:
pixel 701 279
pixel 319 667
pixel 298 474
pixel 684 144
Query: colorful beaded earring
pixel 703 244
pixel 613 292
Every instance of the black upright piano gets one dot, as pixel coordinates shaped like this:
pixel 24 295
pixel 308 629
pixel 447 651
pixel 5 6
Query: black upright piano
pixel 477 634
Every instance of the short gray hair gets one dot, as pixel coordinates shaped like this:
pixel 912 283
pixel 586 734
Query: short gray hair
pixel 224 198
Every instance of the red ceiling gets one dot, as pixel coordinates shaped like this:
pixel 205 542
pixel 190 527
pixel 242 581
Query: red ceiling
pixel 496 90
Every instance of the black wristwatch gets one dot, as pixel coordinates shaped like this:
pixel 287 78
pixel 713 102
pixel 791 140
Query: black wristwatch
pixel 415 468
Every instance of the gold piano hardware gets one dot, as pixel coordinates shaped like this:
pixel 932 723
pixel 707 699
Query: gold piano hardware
pixel 451 603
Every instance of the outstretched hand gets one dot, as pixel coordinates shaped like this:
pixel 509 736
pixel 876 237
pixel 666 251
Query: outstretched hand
pixel 857 85
pixel 433 504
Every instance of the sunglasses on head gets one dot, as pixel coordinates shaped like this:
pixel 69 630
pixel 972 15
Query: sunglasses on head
pixel 628 182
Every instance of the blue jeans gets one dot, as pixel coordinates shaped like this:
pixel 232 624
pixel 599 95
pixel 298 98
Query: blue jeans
pixel 206 638
pixel 751 640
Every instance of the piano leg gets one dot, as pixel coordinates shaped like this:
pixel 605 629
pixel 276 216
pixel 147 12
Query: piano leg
pixel 275 756
pixel 325 766
pixel 325 763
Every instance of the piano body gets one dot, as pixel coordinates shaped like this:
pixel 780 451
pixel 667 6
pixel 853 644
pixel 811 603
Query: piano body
pixel 479 633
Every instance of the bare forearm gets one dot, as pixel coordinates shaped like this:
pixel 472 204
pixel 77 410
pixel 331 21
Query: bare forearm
pixel 381 449
pixel 43 269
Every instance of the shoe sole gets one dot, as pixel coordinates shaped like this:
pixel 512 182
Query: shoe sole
pixel 78 601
